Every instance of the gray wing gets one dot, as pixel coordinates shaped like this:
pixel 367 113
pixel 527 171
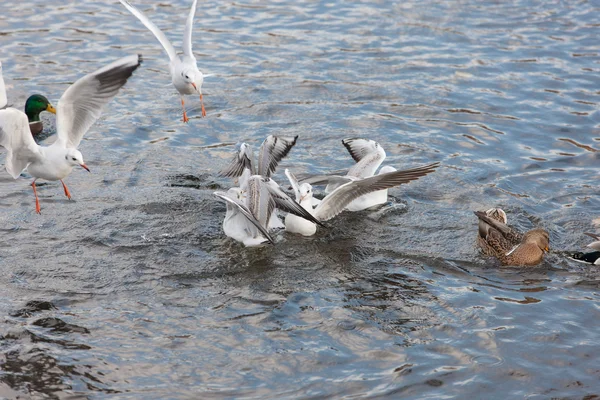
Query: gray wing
pixel 286 203
pixel 260 202
pixel 81 105
pixel 16 138
pixel 246 212
pixel 336 201
pixel 272 151
pixel 241 160
pixel 359 148
pixel 327 180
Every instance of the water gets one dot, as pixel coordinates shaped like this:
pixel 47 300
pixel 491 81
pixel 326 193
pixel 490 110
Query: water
pixel 132 290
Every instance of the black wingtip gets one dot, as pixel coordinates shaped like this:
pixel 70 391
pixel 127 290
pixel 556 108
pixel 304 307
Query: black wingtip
pixel 140 59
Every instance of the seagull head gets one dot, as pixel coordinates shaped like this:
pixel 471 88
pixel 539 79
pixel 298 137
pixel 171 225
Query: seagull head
pixel 190 78
pixel 305 192
pixel 75 158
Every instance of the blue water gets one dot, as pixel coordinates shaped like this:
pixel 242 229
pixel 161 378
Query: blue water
pixel 133 291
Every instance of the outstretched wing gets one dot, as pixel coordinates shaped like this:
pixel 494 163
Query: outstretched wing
pixel 337 180
pixel 359 148
pixel 245 211
pixel 3 99
pixel 81 105
pixel 169 49
pixel 187 36
pixel 16 138
pixel 336 201
pixel 272 151
pixel 241 160
pixel 294 183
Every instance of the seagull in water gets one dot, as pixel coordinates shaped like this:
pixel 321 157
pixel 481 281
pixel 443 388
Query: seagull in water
pixel 368 155
pixel 185 75
pixel 249 211
pixel 272 150
pixel 338 200
pixel 78 108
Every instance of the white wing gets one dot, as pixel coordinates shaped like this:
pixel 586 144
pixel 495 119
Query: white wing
pixel 3 99
pixel 187 36
pixel 153 28
pixel 16 138
pixel 294 183
pixel 81 105
pixel 334 203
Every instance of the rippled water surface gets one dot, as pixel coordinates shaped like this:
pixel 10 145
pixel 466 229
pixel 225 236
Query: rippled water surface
pixel 133 291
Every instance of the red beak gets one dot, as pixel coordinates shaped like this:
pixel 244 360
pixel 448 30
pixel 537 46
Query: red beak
pixel 85 167
pixel 194 85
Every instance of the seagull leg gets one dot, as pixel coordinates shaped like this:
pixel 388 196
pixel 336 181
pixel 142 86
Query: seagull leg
pixel 67 193
pixel 37 201
pixel 185 118
pixel 202 104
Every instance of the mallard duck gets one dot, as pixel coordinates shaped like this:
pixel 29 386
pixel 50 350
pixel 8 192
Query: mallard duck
pixel 508 245
pixel 593 257
pixel 34 105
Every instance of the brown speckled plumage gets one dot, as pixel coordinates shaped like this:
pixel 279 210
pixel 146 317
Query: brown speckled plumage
pixel 508 245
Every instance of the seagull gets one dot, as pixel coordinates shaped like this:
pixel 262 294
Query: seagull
pixel 78 108
pixel 272 150
pixel 247 217
pixel 185 75
pixel 369 155
pixel 592 257
pixel 510 246
pixel 336 201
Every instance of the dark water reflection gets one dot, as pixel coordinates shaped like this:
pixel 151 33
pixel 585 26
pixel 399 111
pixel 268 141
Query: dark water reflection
pixel 132 290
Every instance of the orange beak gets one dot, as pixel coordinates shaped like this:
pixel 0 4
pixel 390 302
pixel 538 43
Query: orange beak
pixel 194 85
pixel 85 167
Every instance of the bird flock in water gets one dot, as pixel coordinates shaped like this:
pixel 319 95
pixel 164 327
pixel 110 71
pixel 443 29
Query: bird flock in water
pixel 251 206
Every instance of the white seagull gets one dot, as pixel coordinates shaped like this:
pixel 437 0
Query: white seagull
pixel 249 211
pixel 78 108
pixel 368 155
pixel 185 75
pixel 272 150
pixel 338 200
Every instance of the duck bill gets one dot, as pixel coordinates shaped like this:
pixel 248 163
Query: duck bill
pixel 50 108
pixel 85 167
